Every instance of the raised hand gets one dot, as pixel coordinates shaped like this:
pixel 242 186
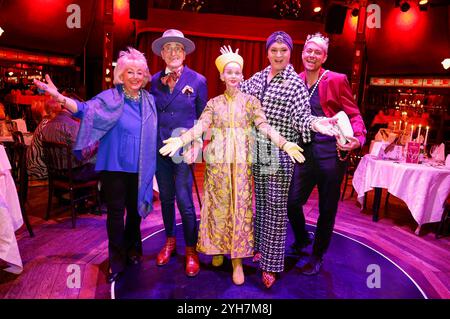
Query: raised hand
pixel 326 126
pixel 294 152
pixel 227 49
pixel 171 147
pixel 48 87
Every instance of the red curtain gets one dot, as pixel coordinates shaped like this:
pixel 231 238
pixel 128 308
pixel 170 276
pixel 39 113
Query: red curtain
pixel 206 52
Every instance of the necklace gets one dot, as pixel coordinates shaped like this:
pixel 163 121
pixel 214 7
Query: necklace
pixel 343 156
pixel 130 97
pixel 317 83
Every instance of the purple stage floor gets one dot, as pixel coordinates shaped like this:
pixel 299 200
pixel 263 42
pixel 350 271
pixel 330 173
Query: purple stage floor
pixel 351 270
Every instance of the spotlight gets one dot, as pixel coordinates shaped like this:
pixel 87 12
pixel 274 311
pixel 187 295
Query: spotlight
pixel 1 31
pixel 423 5
pixel 317 13
pixel 355 12
pixel 446 63
pixel 405 6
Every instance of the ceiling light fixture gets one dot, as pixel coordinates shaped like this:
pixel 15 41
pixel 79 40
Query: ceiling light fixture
pixel 405 6
pixel 423 5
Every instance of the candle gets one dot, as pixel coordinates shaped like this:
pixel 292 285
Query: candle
pixel 395 125
pixel 411 135
pixel 426 137
pixel 418 133
pixel 400 125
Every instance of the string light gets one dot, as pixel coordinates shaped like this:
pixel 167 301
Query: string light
pixel 193 5
pixel 287 8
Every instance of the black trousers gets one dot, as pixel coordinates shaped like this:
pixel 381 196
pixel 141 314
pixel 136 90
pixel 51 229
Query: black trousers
pixel 327 173
pixel 121 192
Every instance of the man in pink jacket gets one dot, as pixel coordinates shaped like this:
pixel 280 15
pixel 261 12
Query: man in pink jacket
pixel 329 93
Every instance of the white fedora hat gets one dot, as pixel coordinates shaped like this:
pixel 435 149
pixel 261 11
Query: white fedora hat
pixel 172 35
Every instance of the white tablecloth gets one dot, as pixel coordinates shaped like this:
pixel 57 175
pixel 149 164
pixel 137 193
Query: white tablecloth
pixel 423 188
pixel 10 217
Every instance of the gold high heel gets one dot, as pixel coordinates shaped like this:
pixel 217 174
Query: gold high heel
pixel 238 272
pixel 217 260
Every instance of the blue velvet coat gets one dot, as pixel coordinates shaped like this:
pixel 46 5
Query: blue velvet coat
pixel 179 109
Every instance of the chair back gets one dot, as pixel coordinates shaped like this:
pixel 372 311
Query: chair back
pixel 18 137
pixel 58 158
pixel 18 156
pixel 20 174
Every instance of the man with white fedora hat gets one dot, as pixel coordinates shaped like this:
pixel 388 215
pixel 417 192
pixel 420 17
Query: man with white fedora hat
pixel 180 95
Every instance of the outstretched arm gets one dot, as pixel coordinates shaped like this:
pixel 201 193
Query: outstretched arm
pixel 51 89
pixel 174 143
pixel 260 120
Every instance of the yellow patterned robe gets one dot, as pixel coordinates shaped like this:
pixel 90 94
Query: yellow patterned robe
pixel 226 222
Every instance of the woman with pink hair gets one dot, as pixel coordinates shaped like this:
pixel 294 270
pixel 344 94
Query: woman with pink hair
pixel 123 121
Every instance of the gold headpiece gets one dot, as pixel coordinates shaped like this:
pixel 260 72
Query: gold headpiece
pixel 224 59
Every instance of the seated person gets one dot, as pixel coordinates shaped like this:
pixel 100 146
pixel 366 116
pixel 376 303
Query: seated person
pixel 58 126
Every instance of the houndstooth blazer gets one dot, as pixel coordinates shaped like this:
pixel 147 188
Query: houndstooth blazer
pixel 285 102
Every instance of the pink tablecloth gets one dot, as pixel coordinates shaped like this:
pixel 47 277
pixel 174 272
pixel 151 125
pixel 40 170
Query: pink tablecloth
pixel 10 217
pixel 423 188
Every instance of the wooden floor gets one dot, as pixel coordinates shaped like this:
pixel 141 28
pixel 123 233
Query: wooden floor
pixel 50 256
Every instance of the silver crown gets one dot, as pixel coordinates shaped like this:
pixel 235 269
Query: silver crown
pixel 318 36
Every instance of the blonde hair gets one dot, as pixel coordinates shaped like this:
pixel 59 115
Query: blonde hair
pixel 127 58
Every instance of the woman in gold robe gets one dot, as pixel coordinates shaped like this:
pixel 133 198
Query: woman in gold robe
pixel 226 222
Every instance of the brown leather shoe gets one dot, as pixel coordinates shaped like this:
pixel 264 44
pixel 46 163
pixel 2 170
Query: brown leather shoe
pixel 168 250
pixel 192 262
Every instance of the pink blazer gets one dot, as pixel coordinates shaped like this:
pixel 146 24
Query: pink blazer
pixel 336 95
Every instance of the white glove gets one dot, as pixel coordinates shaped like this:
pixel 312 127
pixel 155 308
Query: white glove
pixel 171 147
pixel 227 49
pixel 293 151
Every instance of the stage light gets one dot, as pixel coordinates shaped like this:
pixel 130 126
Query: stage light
pixel 405 6
pixel 355 12
pixel 1 31
pixel 423 5
pixel 317 9
pixel 446 63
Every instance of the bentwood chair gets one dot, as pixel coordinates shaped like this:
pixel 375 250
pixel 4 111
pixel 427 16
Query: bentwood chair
pixel 352 164
pixel 20 175
pixel 58 158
